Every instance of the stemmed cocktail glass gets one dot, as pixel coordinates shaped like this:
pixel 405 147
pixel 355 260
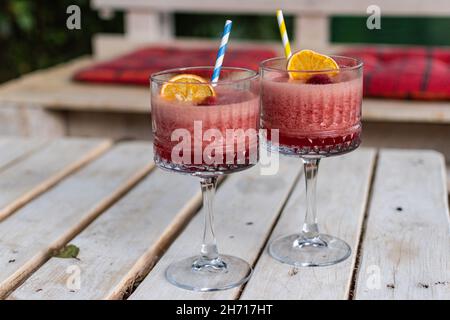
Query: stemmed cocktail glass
pixel 318 115
pixel 206 130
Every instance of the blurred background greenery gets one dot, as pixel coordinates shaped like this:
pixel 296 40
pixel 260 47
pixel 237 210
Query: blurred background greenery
pixel 33 34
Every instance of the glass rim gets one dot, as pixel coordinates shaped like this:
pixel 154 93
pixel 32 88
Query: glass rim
pixel 253 75
pixel 359 64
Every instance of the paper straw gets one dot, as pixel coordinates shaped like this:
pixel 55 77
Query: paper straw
pixel 221 52
pixel 283 33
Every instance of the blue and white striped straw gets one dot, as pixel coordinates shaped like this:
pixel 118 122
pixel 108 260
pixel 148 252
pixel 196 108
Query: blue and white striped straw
pixel 221 52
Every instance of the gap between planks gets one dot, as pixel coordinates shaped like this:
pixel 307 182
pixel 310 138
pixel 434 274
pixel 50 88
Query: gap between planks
pixel 26 149
pixel 53 179
pixel 269 234
pixel 357 263
pixel 243 219
pixel 20 275
pixel 340 212
pixel 150 258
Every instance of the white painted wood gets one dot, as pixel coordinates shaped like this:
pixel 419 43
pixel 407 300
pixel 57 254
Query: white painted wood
pixel 402 135
pixel 40 171
pixel 247 205
pixel 13 150
pixel 138 224
pixel 448 177
pixel 110 125
pixel 54 89
pixel 406 253
pixel 30 236
pixel 148 25
pixel 330 7
pixel 342 193
pixel 142 25
pixel 312 31
pixel 27 120
pixel 386 110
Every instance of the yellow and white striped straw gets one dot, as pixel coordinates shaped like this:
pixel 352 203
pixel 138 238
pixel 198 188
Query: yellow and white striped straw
pixel 283 33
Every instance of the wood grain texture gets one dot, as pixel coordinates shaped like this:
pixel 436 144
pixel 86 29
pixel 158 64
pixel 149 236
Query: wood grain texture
pixel 40 171
pixel 13 150
pixel 54 89
pixel 405 251
pixel 31 235
pixel 247 206
pixel 139 225
pixel 342 193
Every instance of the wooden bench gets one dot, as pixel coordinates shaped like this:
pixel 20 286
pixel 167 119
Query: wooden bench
pixel 129 220
pixel 47 103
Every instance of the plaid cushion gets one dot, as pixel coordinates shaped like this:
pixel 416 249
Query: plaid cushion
pixel 405 73
pixel 136 67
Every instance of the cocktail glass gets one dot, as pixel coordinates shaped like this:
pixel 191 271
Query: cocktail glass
pixel 317 117
pixel 208 139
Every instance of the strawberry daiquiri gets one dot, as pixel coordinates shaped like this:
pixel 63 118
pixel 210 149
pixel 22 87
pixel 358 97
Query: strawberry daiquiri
pixel 317 116
pixel 206 127
pixel 216 134
pixel 311 109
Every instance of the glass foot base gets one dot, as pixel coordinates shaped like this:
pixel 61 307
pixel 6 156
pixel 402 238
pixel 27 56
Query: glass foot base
pixel 199 275
pixel 323 250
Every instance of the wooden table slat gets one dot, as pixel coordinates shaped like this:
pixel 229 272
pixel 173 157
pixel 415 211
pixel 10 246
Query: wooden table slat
pixel 247 205
pixel 13 150
pixel 47 223
pixel 406 247
pixel 135 226
pixel 37 173
pixel 131 222
pixel 341 204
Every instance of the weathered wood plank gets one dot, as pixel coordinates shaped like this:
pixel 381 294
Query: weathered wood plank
pixel 406 111
pixel 343 187
pixel 15 149
pixel 54 89
pixel 405 250
pixel 31 235
pixel 139 225
pixel 247 205
pixel 37 173
pixel 300 7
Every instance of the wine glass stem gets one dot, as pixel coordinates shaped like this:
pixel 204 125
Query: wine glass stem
pixel 209 250
pixel 310 228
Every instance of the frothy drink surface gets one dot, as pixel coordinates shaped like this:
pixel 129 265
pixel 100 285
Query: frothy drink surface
pixel 230 109
pixel 312 115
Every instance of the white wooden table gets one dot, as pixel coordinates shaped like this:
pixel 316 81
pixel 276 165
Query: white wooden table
pixel 130 220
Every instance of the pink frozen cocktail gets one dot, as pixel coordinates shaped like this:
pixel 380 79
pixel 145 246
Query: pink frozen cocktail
pixel 219 134
pixel 311 108
pixel 317 116
pixel 205 127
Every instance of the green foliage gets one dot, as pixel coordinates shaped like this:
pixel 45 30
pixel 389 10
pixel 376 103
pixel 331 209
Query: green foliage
pixel 33 34
pixel 252 27
pixel 67 252
pixel 394 30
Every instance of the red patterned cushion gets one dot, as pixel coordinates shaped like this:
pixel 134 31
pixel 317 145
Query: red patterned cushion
pixel 405 73
pixel 136 67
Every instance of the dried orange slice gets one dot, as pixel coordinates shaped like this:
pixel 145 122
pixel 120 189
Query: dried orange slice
pixel 187 87
pixel 308 60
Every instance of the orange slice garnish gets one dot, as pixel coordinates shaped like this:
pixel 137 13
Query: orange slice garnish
pixel 308 60
pixel 187 88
